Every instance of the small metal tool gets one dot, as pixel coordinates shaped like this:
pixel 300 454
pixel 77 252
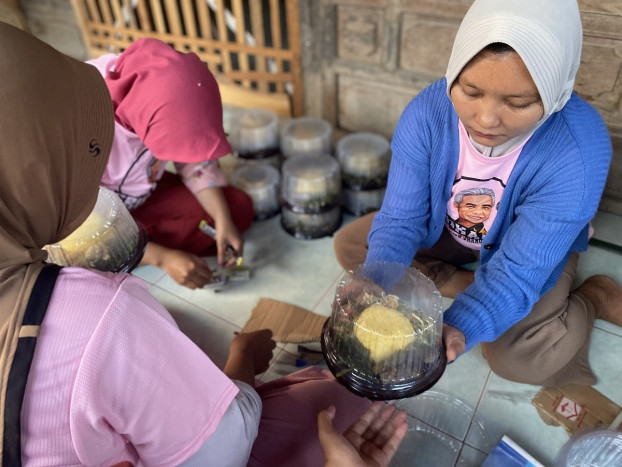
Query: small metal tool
pixel 230 252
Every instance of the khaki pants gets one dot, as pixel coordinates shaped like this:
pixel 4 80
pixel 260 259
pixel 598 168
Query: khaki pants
pixel 549 347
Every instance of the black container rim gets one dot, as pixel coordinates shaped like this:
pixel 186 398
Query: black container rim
pixel 297 209
pixel 262 216
pixel 382 392
pixel 259 154
pixel 141 245
pixel 368 186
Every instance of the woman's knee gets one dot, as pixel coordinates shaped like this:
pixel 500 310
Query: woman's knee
pixel 521 367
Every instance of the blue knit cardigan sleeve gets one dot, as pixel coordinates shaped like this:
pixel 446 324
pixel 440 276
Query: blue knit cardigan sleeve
pixel 552 194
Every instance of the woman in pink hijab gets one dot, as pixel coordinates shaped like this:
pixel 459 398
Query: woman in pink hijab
pixel 168 109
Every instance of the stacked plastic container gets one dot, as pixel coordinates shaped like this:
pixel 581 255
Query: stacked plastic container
pixel 364 159
pixel 262 183
pixel 255 138
pixel 306 135
pixel 310 195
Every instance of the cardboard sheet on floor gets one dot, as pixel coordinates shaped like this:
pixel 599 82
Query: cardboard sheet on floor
pixel 289 323
pixel 577 407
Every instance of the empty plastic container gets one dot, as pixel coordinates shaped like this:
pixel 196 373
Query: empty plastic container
pixel 596 448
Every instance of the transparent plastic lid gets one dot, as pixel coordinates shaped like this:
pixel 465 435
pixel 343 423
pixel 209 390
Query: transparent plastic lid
pixel 262 184
pixel 599 447
pixel 108 240
pixel 383 339
pixel 364 159
pixel 306 135
pixel 311 183
pixel 255 131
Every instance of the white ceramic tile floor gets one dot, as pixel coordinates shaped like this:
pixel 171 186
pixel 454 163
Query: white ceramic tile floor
pixel 455 423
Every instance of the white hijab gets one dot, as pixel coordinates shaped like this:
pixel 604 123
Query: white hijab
pixel 547 34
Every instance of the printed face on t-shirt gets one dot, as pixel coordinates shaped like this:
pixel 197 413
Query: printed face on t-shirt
pixel 496 99
pixel 473 209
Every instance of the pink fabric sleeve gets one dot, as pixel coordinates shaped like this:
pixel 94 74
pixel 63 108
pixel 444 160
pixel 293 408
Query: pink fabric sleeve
pixel 142 378
pixel 201 175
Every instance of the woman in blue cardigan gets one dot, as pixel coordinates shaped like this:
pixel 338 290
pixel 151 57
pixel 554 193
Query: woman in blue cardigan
pixel 501 163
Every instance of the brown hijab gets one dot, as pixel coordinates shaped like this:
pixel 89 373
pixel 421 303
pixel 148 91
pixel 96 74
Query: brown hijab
pixel 56 130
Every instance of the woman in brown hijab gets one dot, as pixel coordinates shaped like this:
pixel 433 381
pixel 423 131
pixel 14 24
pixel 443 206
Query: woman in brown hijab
pixel 107 381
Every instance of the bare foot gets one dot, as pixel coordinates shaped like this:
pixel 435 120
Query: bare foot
pixel 458 281
pixel 606 296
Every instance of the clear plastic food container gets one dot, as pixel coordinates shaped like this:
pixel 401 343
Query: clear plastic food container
pixel 306 135
pixel 255 134
pixel 311 183
pixel 310 225
pixel 597 447
pixel 383 339
pixel 359 202
pixel 364 159
pixel 108 240
pixel 262 184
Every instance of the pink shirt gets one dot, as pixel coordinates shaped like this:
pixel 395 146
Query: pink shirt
pixel 477 190
pixel 133 170
pixel 108 387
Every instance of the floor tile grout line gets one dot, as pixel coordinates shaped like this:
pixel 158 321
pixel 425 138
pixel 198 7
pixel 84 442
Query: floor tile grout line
pixel 443 432
pixel 480 401
pixel 609 331
pixel 194 305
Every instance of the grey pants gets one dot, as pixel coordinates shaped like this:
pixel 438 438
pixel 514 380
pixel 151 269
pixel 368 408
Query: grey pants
pixel 549 347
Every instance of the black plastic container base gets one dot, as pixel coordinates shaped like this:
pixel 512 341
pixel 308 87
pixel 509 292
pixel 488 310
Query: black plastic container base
pixel 311 232
pixel 380 391
pixel 141 245
pixel 266 215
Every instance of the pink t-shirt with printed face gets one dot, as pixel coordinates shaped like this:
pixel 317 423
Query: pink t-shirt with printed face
pixel 108 387
pixel 477 190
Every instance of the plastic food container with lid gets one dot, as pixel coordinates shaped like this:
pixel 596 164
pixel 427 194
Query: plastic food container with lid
pixel 600 447
pixel 306 135
pixel 262 184
pixel 255 134
pixel 360 202
pixel 383 339
pixel 311 196
pixel 364 159
pixel 311 182
pixel 108 240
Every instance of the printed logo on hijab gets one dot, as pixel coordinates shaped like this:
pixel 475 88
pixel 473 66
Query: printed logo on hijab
pixel 94 148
